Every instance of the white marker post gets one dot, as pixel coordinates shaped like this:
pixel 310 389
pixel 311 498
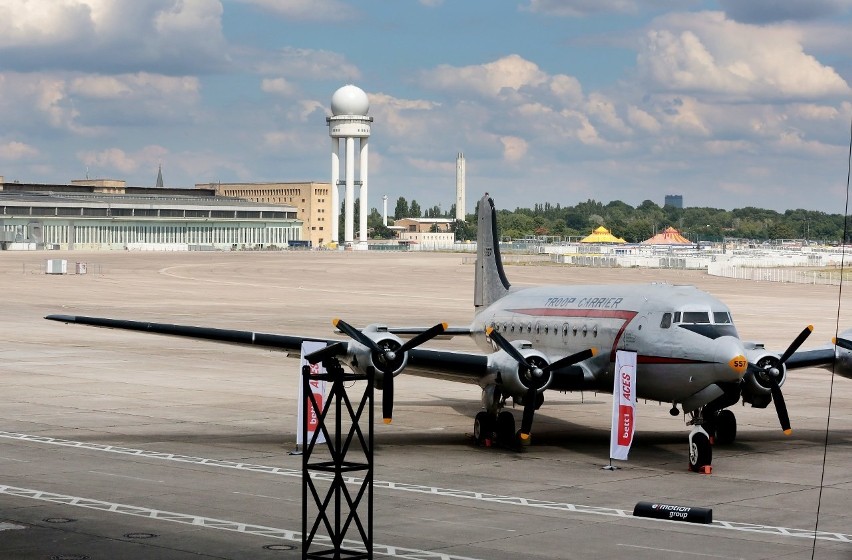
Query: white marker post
pixel 317 388
pixel 623 407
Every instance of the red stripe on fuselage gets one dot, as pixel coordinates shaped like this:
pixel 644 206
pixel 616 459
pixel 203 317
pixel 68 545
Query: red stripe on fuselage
pixel 626 316
pixel 596 313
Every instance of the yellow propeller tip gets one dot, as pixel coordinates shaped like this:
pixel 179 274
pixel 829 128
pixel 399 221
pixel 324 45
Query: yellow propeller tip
pixel 834 340
pixel 811 328
pixel 525 436
pixel 488 331
pixel 445 325
pixel 594 351
pixel 335 321
pixel 788 432
pixel 388 420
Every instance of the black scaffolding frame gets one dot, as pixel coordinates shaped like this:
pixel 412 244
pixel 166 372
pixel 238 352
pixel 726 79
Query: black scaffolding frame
pixel 337 510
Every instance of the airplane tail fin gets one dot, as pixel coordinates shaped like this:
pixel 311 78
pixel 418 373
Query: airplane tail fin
pixel 490 280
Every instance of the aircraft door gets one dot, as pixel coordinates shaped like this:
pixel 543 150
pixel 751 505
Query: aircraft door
pixel 634 333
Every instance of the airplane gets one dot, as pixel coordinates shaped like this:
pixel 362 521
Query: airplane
pixel 564 338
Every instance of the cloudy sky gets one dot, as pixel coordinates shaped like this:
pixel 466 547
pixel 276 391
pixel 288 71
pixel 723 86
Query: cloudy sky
pixel 730 103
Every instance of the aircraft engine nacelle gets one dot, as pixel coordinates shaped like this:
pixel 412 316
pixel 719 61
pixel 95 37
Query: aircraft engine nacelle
pixel 843 356
pixel 511 376
pixel 755 389
pixel 359 357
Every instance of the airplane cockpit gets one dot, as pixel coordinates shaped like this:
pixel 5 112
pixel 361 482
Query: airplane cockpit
pixel 711 324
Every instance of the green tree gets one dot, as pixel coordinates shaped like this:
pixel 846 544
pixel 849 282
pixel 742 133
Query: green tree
pixel 401 210
pixel 464 230
pixel 414 210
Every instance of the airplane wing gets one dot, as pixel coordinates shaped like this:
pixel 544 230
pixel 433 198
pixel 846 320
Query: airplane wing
pixel 836 357
pixel 442 364
pixel 449 332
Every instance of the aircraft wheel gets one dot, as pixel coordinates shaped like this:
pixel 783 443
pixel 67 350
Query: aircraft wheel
pixel 506 428
pixel 700 451
pixel 726 427
pixel 483 428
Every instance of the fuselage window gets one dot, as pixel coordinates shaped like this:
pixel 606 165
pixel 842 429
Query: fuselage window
pixel 721 318
pixel 529 327
pixel 667 321
pixel 696 317
pixel 565 330
pixel 546 329
pixel 513 327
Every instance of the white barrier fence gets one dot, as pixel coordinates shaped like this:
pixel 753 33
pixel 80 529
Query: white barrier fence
pixel 789 275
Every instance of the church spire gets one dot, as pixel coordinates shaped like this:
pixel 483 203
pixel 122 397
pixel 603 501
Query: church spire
pixel 159 184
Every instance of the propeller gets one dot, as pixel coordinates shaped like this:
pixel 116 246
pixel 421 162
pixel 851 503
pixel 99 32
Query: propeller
pixel 387 358
pixel 323 354
pixel 843 343
pixel 771 373
pixel 535 375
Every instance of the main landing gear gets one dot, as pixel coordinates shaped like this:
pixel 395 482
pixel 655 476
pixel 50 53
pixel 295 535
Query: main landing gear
pixel 709 427
pixel 490 430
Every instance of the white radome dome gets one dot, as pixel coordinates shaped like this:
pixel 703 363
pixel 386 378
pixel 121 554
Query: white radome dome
pixel 350 100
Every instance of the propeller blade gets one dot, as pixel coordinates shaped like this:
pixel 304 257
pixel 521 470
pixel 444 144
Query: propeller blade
pixel 571 360
pixel 507 347
pixel 423 337
pixel 529 412
pixel 780 405
pixel 843 343
pixel 796 343
pixel 357 335
pixel 387 398
pixel 323 353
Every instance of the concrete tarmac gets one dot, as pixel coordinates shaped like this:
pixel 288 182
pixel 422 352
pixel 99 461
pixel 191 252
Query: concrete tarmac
pixel 117 444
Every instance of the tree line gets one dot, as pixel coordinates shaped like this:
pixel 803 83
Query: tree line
pixel 633 224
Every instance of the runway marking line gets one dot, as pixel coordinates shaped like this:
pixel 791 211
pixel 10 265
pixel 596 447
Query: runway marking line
pixel 420 489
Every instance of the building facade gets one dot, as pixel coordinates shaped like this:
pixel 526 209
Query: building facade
pixel 95 221
pixel 311 200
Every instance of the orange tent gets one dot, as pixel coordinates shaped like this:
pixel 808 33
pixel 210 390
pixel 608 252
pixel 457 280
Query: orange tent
pixel 670 236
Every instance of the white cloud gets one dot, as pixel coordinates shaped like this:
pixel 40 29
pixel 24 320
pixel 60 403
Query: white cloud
pixel 642 119
pixel 12 151
pixel 306 10
pixel 278 86
pixel 167 36
pixel 32 24
pixel 514 148
pixel 603 110
pixel 134 86
pixel 490 79
pixel 764 11
pixel 111 160
pixel 304 64
pixel 705 53
pixel 580 8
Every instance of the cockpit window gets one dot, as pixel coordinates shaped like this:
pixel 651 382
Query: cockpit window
pixel 667 321
pixel 677 317
pixel 721 317
pixel 696 317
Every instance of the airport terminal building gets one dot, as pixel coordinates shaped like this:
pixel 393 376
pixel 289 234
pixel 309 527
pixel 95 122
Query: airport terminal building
pixel 104 215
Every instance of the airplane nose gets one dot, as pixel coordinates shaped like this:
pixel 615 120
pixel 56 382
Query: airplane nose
pixel 730 353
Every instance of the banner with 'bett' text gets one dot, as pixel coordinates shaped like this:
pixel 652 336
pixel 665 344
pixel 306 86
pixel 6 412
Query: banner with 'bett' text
pixel 317 388
pixel 623 405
